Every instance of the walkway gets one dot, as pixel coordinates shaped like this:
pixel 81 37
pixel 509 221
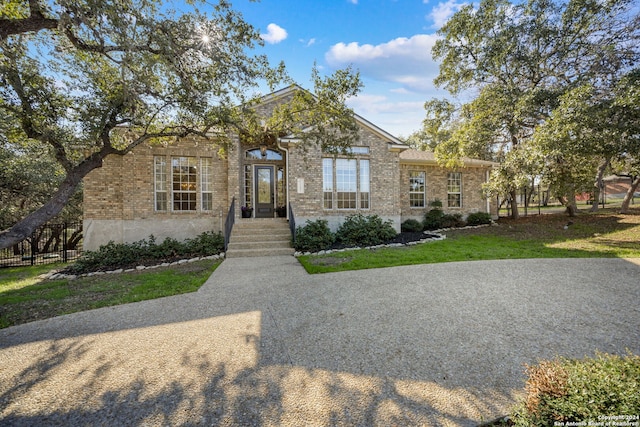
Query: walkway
pixel 263 343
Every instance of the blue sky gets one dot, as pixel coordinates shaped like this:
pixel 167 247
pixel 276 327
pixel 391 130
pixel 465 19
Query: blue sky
pixel 388 41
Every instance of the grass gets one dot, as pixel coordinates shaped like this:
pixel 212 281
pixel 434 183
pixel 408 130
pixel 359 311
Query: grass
pixel 24 297
pixel 604 234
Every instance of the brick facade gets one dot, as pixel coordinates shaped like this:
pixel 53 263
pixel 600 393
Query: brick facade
pixel 473 200
pixel 119 198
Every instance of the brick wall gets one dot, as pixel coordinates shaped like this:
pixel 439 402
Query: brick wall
pixel 119 197
pixel 436 188
pixel 384 177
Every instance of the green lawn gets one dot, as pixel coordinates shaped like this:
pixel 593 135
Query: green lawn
pixel 24 297
pixel 590 235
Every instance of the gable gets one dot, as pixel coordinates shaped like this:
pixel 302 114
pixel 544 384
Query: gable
pixel 280 96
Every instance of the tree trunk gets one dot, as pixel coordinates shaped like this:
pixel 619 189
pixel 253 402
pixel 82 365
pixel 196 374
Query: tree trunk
pixel 629 196
pixel 599 183
pixel 514 204
pixel 31 222
pixel 572 207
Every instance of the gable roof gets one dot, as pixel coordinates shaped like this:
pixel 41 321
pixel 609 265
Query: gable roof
pixel 428 158
pixel 395 144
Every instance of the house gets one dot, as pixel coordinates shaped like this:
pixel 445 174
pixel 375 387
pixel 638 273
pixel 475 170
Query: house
pixel 182 189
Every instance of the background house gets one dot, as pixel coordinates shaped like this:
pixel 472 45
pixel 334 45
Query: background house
pixel 182 189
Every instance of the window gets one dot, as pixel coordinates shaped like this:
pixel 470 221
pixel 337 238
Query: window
pixel 327 183
pixel 269 154
pixel 248 179
pixel 454 190
pixel 160 182
pixel 183 178
pixel 177 189
pixel 346 150
pixel 358 150
pixel 346 181
pixel 364 184
pixel 417 189
pixel 206 184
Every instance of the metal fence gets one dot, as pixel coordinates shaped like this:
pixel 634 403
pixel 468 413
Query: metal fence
pixel 228 224
pixel 48 244
pixel 292 223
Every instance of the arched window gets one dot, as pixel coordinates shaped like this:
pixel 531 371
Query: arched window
pixel 267 154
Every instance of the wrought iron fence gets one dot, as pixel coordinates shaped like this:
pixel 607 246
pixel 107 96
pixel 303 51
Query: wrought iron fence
pixel 292 223
pixel 228 224
pixel 48 244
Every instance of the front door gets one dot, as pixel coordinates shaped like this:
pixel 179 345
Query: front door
pixel 264 192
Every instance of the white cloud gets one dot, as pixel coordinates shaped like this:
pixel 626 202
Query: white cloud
pixel 353 1
pixel 367 104
pixel 396 116
pixel 275 34
pixel 406 61
pixel 441 13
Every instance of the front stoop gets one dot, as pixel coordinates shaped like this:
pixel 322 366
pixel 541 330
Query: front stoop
pixel 252 237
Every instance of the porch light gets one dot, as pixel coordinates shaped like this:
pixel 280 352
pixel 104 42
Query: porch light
pixel 263 150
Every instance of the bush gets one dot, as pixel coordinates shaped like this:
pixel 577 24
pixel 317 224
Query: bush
pixel 208 243
pixel 479 218
pixel 433 218
pixel 360 230
pixel 452 220
pixel 314 236
pixel 568 390
pixel 120 255
pixel 411 226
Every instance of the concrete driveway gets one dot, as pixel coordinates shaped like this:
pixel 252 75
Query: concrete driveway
pixel 263 343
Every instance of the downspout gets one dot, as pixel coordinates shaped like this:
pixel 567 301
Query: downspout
pixel 286 174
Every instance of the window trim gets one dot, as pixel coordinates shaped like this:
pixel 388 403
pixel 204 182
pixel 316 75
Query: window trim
pixel 422 192
pixel 206 182
pixel 458 177
pixel 332 203
pixel 160 182
pixel 182 192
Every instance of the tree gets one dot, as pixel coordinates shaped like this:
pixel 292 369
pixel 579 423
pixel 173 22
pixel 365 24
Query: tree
pixel 90 79
pixel 521 58
pixel 29 176
pixel 595 123
pixel 319 117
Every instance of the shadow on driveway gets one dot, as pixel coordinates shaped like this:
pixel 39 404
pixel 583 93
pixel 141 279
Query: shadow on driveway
pixel 263 343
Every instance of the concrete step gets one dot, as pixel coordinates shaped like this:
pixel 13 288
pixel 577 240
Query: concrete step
pixel 247 237
pixel 260 237
pixel 259 245
pixel 237 253
pixel 259 223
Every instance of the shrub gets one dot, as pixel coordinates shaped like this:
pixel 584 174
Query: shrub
pixel 452 220
pixel 568 390
pixel 313 236
pixel 433 218
pixel 479 218
pixel 411 226
pixel 208 243
pixel 360 230
pixel 116 255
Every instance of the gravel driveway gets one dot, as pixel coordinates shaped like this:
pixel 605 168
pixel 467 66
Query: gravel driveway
pixel 263 343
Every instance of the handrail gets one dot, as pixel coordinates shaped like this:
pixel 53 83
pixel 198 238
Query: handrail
pixel 228 223
pixel 292 223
